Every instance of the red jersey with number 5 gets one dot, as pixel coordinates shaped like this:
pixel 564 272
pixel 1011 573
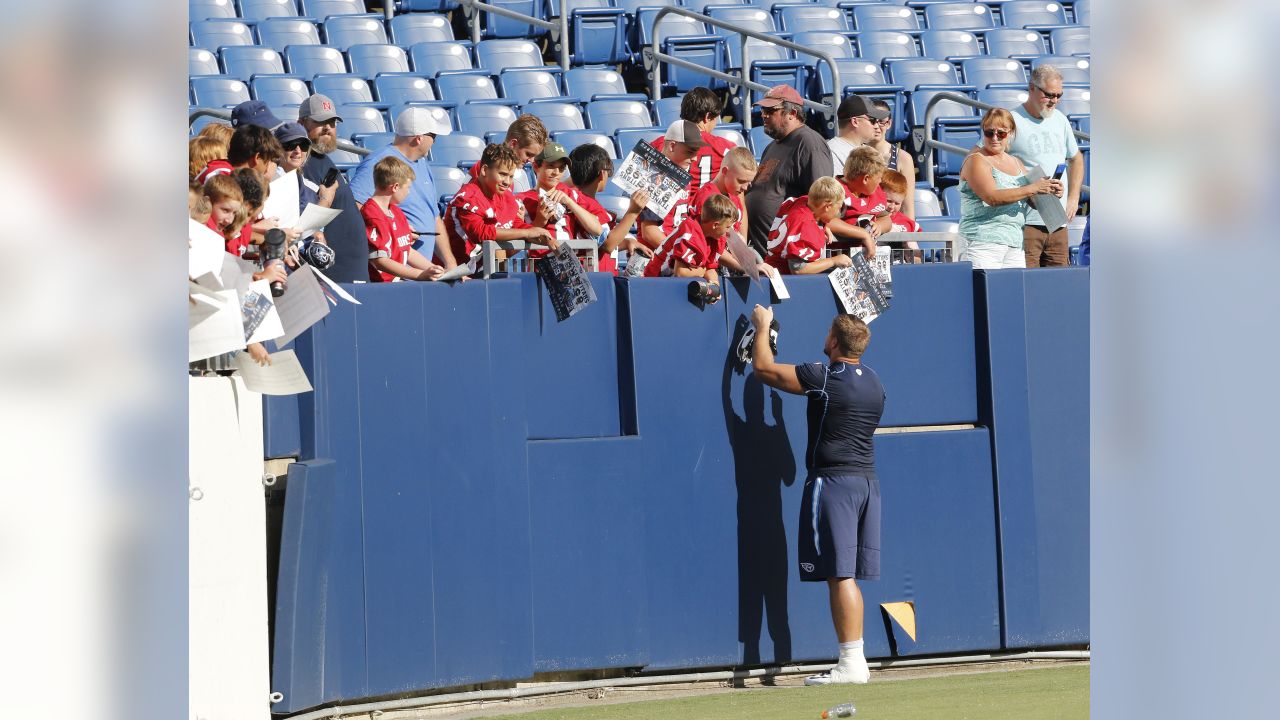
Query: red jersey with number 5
pixel 795 234
pixel 695 208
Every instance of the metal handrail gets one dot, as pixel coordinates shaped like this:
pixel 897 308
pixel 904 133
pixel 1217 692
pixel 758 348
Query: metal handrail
pixel 226 115
pixel 561 25
pixel 744 84
pixel 930 143
pixel 489 260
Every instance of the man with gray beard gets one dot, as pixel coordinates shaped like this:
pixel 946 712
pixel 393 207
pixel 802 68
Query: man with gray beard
pixel 345 234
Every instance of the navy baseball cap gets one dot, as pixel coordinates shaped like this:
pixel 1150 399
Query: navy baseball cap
pixel 254 112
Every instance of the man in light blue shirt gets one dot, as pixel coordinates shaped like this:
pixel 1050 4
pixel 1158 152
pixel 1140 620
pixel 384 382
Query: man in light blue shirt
pixel 1044 137
pixel 416 129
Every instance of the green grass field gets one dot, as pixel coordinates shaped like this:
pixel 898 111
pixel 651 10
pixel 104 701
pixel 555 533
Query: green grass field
pixel 1059 693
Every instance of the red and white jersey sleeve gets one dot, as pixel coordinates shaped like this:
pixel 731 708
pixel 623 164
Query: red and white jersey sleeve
pixel 795 234
pixel 706 162
pixel 856 207
pixel 695 208
pixel 389 237
pixel 902 223
pixel 688 232
pixel 468 221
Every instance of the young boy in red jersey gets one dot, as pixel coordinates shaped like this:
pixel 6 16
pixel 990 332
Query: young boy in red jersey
pixel 702 107
pixel 555 206
pixel 894 185
pixel 865 215
pixel 696 247
pixel 681 142
pixel 225 198
pixel 589 169
pixel 484 209
pixel 391 253
pixel 800 233
pixel 735 176
pixel 526 136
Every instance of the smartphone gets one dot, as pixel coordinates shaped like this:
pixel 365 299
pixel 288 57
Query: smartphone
pixel 1060 172
pixel 332 177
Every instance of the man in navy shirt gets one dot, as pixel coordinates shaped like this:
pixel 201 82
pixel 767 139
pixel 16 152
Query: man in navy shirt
pixel 840 510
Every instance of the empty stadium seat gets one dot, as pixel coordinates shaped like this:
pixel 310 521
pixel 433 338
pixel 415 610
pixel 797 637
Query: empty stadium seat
pixel 947 164
pixel 210 10
pixel 958 16
pixel 369 61
pixel 756 50
pixel 412 28
pixel 926 202
pixel 245 61
pixel 321 9
pixel 449 180
pixel 615 205
pixel 279 89
pixel 671 26
pixel 481 119
pixel 587 84
pixel 801 17
pixel 359 120
pixel 214 92
pixel 571 139
pixel 343 89
pixel 523 85
pixel 344 31
pixel 949 109
pixel 498 55
pixel 701 6
pixel 1013 43
pixel 779 72
pixel 557 116
pixel 1073 69
pixel 202 62
pixel 287 113
pixel 984 71
pixel 1074 101
pixel 215 34
pixel 945 224
pixel 307 61
pixel 759 141
pixel 1003 97
pixel 911 72
pixel 496 26
pixel 198 124
pixel 464 88
pixel 262 9
pixel 627 138
pixel 1032 13
pixel 280 33
pixel 400 88
pixel 456 149
pixel 1081 11
pixel 433 58
pixel 884 16
pixel 667 110
pixel 949 44
pixel 1072 40
pixel 597 32
pixel 609 116
pixel 876 45
pixel 731 133
pixel 951 200
pixel 748 16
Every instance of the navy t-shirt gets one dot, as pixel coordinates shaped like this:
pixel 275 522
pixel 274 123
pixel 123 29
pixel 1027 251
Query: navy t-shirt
pixel 845 404
pixel 345 234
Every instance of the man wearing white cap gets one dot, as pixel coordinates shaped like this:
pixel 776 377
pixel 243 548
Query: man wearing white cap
pixel 416 129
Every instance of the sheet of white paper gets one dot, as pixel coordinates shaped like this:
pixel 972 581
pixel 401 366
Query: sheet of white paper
pixel 314 218
pixel 270 326
pixel 284 376
pixel 206 250
pixel 336 288
pixel 457 273
pixel 218 332
pixel 779 288
pixel 302 305
pixel 201 305
pixel 283 201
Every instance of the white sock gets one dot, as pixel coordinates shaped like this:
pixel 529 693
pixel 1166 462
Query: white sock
pixel 850 652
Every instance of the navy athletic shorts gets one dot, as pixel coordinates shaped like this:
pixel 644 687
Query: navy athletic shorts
pixel 840 527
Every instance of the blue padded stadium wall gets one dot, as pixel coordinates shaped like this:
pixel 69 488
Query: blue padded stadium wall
pixel 487 494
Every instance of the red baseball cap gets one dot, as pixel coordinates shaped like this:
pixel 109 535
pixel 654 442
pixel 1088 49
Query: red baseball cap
pixel 780 94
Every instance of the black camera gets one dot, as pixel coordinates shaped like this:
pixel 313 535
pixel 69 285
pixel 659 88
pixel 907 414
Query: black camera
pixel 703 293
pixel 272 254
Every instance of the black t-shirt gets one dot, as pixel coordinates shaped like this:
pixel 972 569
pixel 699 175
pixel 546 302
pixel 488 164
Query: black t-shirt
pixel 346 233
pixel 787 168
pixel 845 404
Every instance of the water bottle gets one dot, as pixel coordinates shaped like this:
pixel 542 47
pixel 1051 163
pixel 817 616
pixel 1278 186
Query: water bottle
pixel 839 711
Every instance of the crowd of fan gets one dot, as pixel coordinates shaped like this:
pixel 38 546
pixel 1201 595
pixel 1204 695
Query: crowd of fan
pixel 807 198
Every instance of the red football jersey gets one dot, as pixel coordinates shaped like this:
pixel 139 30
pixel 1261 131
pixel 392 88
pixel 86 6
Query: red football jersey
pixel 389 237
pixel 698 251
pixel 706 162
pixel 902 223
pixel 856 207
pixel 688 235
pixel 605 263
pixel 472 218
pixel 695 208
pixel 795 234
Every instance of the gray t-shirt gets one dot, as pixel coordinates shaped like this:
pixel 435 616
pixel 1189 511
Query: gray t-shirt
pixel 787 168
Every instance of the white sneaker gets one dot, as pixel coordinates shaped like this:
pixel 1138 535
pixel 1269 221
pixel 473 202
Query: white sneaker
pixel 859 674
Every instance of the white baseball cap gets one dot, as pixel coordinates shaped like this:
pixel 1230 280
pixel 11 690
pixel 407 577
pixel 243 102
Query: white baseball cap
pixel 421 121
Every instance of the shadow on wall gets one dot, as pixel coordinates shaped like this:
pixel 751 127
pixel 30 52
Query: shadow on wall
pixel 763 462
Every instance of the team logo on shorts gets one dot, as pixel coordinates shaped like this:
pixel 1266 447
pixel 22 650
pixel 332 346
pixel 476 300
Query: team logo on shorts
pixel 807 567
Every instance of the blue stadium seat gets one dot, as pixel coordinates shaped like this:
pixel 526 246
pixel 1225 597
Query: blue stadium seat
pixel 958 16
pixel 410 29
pixel 756 50
pixel 609 116
pixel 481 119
pixel 524 85
pixel 948 109
pixel 984 71
pixel 597 31
pixel 667 110
pixel 759 141
pixel 245 61
pixel 946 164
pixel 884 16
pixel 465 88
pixel 1073 69
pixel 747 16
pixel 700 6
pixel 217 91
pixel 344 31
pixel 359 120
pixel 876 45
pixel 400 88
pixel 1032 13
pixel 279 89
pixel 1083 126
pixel 779 72
pixel 802 17
pixel 587 84
pixel 1005 97
pixel 307 61
pixel 214 34
pixel 951 200
pixel 343 89
pixel 926 202
pixel 1014 43
pixel 433 58
pixel 705 50
pixel 449 179
pixel 557 116
pixel 198 10
pixel 1074 102
pixel 426 5
pixel 1072 40
pixel 280 33
pixel 732 133
pixel 321 9
pixel 456 149
pixel 855 75
pixel 571 139
pixel 262 9
pixel 672 26
pixel 628 137
pixel 1081 11
pixel 287 113
pixel 837 44
pixel 945 224
pixel 198 124
pixel 615 205
pixel 369 61
pixel 496 26
pixel 495 137
pixel 202 62
pixel 911 72
pixel 498 55
pixel 949 44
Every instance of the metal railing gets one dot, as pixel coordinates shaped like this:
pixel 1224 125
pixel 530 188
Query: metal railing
pixel 930 143
pixel 745 85
pixel 226 115
pixel 489 248
pixel 560 26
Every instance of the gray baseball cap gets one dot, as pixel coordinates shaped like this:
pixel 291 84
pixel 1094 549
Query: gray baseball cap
pixel 319 108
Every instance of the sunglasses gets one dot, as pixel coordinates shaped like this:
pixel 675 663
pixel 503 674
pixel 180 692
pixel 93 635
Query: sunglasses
pixel 766 111
pixel 1048 95
pixel 997 134
pixel 296 144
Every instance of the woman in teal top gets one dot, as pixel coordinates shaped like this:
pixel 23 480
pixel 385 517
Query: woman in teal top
pixel 993 197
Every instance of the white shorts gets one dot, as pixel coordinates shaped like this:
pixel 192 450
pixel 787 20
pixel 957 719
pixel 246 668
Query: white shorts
pixel 992 256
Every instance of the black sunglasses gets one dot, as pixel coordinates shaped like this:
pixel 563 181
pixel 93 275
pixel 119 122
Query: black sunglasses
pixel 295 144
pixel 1049 95
pixel 997 134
